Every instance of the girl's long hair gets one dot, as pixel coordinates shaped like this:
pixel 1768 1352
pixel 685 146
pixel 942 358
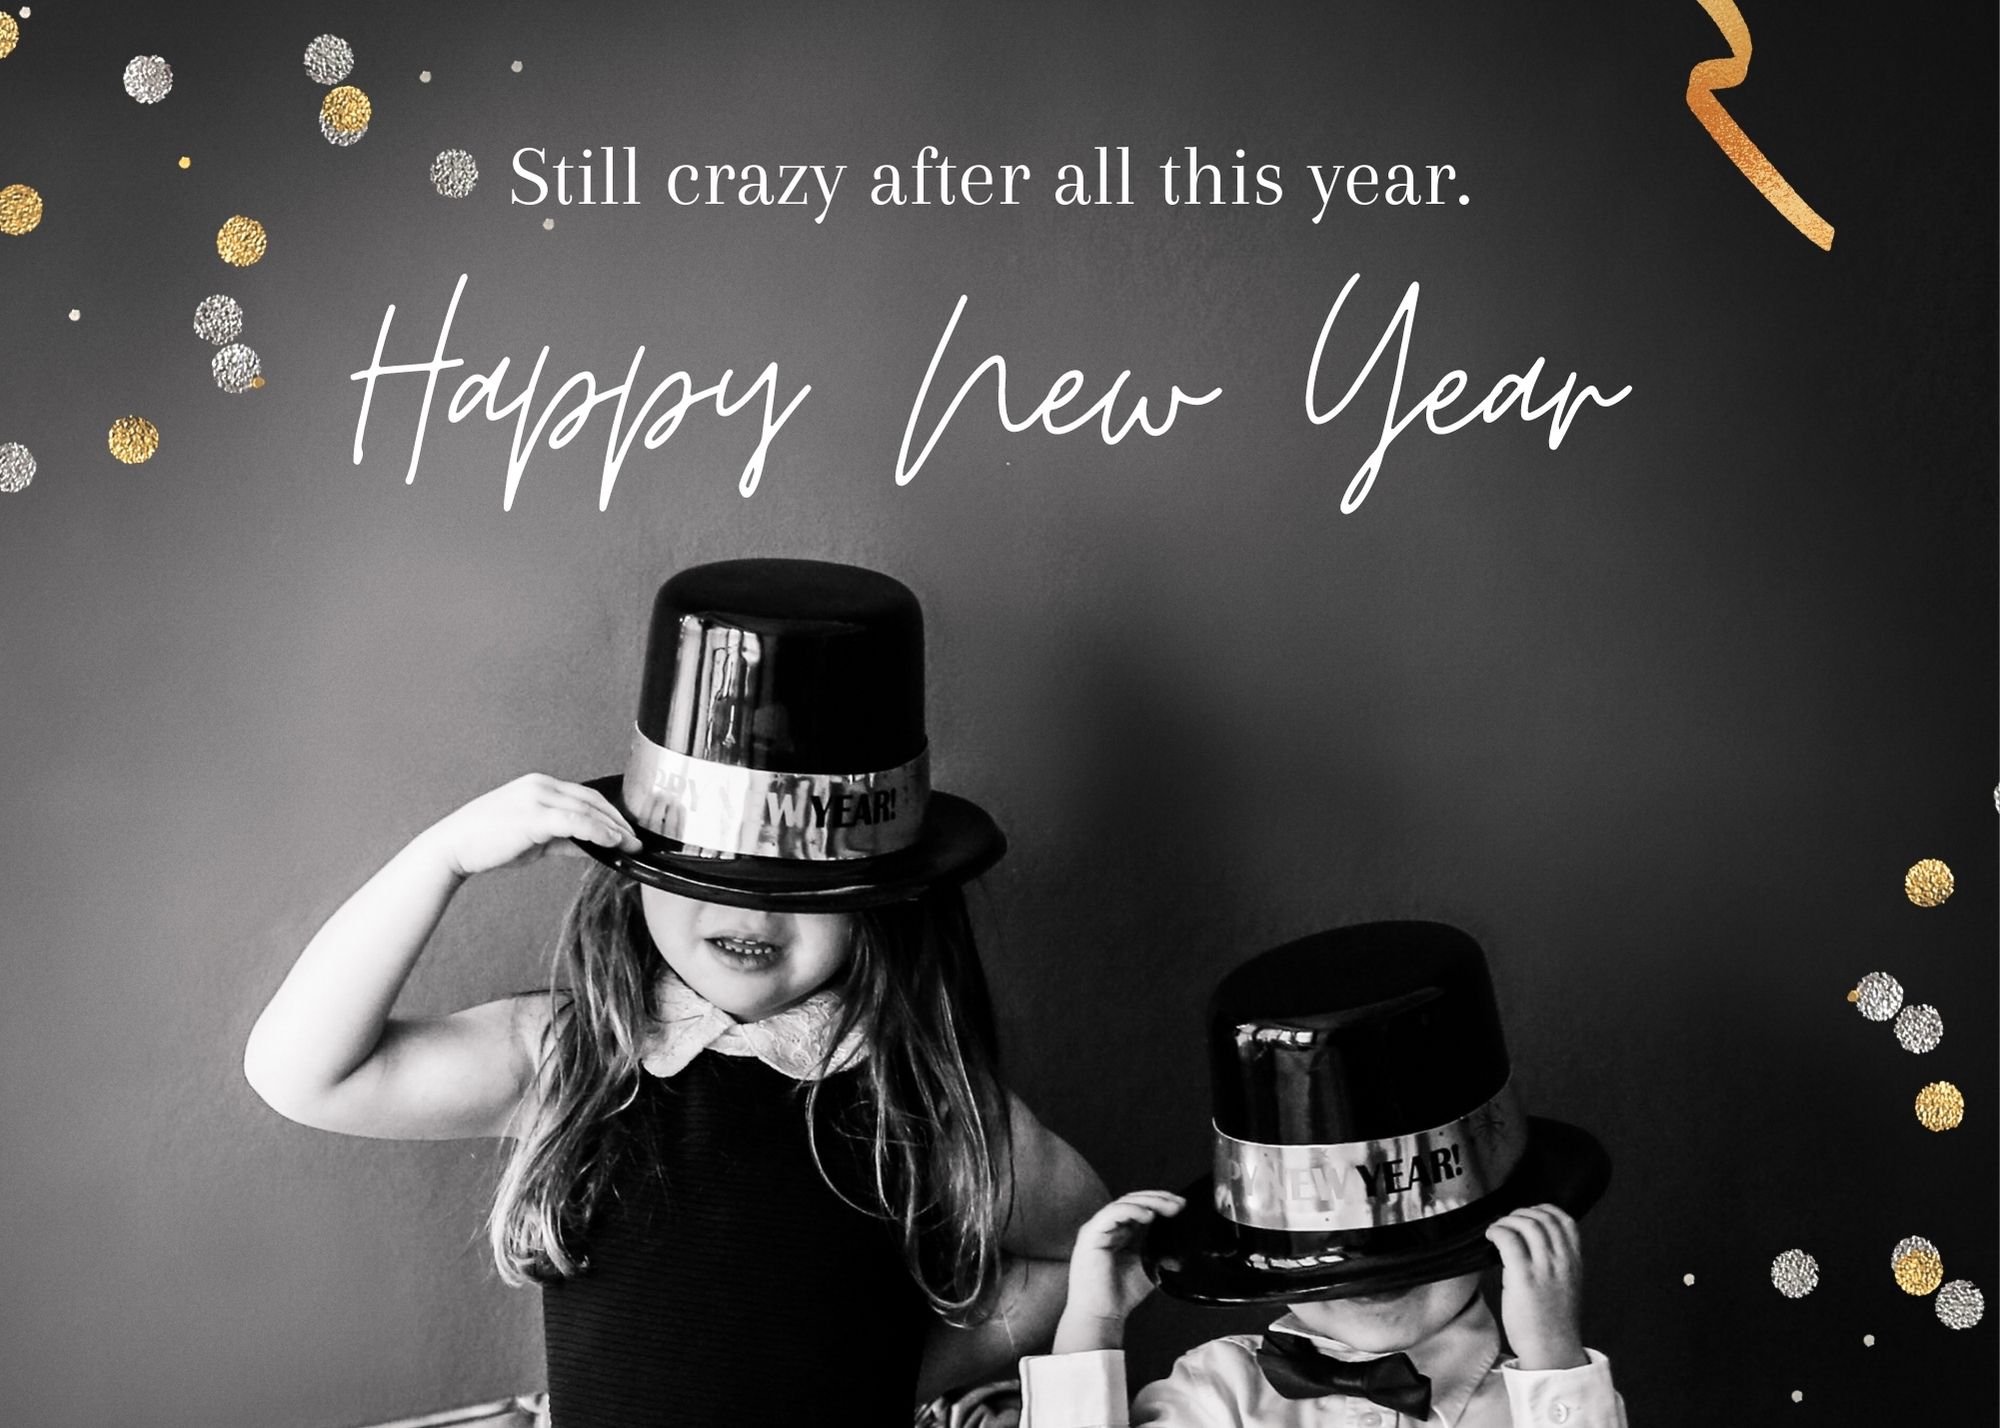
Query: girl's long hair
pixel 932 1113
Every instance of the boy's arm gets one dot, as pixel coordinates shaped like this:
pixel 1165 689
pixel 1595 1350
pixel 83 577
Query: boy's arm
pixel 1564 1398
pixel 1553 1381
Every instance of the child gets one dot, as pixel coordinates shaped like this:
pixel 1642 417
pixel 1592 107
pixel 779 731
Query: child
pixel 761 1152
pixel 1371 1158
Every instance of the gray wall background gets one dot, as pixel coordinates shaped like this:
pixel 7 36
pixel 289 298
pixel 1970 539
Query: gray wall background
pixel 1661 716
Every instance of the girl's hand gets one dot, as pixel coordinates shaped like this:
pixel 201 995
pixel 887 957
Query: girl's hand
pixel 1541 1287
pixel 1106 1279
pixel 520 821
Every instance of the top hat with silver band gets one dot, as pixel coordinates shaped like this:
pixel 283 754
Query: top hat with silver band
pixel 779 758
pixel 1366 1125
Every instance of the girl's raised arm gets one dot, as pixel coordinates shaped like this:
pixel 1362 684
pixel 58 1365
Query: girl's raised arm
pixel 327 1053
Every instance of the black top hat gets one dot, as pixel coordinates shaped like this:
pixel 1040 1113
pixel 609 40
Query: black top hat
pixel 1367 1131
pixel 779 758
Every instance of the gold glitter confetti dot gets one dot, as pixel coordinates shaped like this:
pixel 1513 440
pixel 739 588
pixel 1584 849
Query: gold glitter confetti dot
pixel 185 161
pixel 20 209
pixel 1940 1106
pixel 1917 1265
pixel 133 439
pixel 1928 882
pixel 516 66
pixel 240 242
pixel 10 33
pixel 346 109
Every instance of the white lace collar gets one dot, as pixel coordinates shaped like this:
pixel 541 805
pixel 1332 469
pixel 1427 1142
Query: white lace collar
pixel 794 1041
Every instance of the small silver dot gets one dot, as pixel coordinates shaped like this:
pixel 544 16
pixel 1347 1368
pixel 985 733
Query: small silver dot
pixel 516 66
pixel 1868 1341
pixel 1798 1397
pixel 423 76
pixel 1687 1279
pixel 75 314
pixel 26 12
pixel 1463 199
pixel 548 223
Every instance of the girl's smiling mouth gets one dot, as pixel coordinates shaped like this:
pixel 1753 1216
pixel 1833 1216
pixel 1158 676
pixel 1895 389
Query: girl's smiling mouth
pixel 748 954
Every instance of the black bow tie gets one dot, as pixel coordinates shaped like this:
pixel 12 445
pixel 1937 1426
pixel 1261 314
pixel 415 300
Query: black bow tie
pixel 1297 1369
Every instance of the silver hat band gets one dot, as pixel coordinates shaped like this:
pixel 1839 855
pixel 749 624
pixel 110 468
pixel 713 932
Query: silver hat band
pixel 1362 1184
pixel 726 811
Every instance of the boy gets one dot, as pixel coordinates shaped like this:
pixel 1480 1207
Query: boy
pixel 1371 1159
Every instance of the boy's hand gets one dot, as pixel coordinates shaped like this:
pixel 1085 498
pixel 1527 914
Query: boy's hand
pixel 519 821
pixel 1106 1279
pixel 1541 1287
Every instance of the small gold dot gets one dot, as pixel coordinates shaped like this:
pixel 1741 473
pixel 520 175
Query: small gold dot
pixel 241 241
pixel 185 161
pixel 346 109
pixel 1920 1271
pixel 1854 995
pixel 133 439
pixel 1928 882
pixel 1940 1106
pixel 20 209
pixel 258 380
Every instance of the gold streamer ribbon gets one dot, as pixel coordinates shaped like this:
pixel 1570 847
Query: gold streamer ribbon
pixel 1714 74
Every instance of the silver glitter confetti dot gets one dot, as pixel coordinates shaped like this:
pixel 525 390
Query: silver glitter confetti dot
pixel 218 319
pixel 17 466
pixel 337 136
pixel 1795 1274
pixel 454 172
pixel 1960 1305
pixel 1919 1028
pixel 1879 996
pixel 1910 1244
pixel 236 368
pixel 148 78
pixel 329 59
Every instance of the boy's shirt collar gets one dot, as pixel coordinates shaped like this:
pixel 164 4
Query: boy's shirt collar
pixel 793 1042
pixel 1456 1359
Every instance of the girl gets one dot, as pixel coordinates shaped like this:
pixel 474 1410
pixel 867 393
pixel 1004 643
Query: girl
pixel 762 1161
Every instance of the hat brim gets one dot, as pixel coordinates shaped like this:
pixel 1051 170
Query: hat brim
pixel 1202 1257
pixel 959 841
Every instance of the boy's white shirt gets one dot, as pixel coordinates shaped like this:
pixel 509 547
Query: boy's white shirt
pixel 1220 1383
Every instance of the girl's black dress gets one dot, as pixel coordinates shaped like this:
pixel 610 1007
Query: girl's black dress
pixel 727 1282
